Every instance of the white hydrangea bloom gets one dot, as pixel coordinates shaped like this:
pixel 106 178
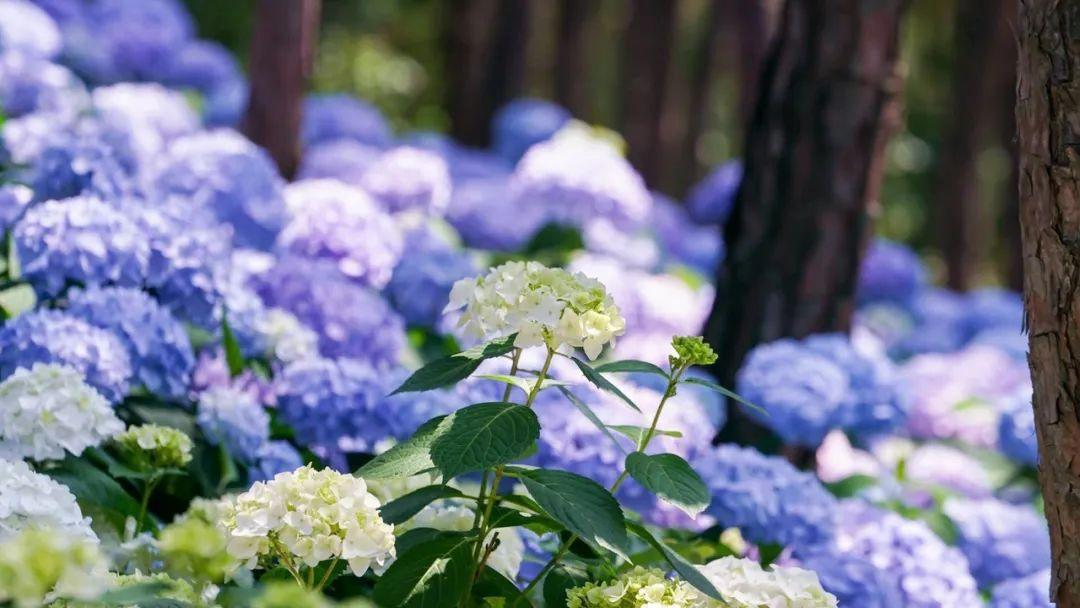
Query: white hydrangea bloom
pixel 40 565
pixel 313 516
pixel 48 409
pixel 286 338
pixel 32 500
pixel 542 305
pixel 745 584
pixel 505 559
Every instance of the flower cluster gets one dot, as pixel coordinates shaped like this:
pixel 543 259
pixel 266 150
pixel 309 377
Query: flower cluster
pixel 712 199
pixel 342 117
pixel 743 583
pixel 40 565
pixel 233 418
pixel 636 587
pixel 420 287
pixel 523 123
pixel 409 179
pixel 30 500
pixel 284 337
pixel 890 272
pixel 1026 592
pixel 1016 431
pixel 1001 541
pixel 151 447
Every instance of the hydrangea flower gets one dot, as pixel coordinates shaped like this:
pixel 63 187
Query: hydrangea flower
pixel 285 337
pixel 890 272
pixel 152 447
pixel 157 344
pixel 1031 591
pixel 204 66
pixel 1000 540
pixel 769 500
pixel 743 583
pixel 49 336
pixel 541 305
pixel 341 223
pixel 310 516
pixel 409 179
pixel 478 209
pixel 522 123
pixel 339 116
pixel 233 418
pixel 711 200
pixel 932 467
pixel 48 409
pixel 345 160
pixel 465 163
pixel 224 173
pixel 878 559
pixel 400 415
pixel 30 84
pixel 153 114
pixel 27 30
pixel 31 500
pixel 272 458
pixel 79 240
pixel 14 200
pixel 990 308
pixel 84 159
pixel 681 240
pixel 1016 432
pixel 420 286
pixel 638 587
pixel 38 566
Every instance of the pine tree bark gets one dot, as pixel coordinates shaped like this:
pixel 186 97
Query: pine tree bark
pixel 282 54
pixel 813 167
pixel 1048 123
pixel 576 20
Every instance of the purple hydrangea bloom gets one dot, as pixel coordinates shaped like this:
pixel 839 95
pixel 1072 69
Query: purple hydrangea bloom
pixel 30 84
pixel 80 241
pixel 1001 540
pixel 82 161
pixel 28 30
pixel 272 458
pixel 233 418
pixel 224 173
pixel 14 200
pixel 339 116
pixel 420 286
pixel 522 123
pixel 769 500
pixel 479 209
pixel 340 223
pixel 225 105
pixel 345 160
pixel 212 371
pixel 878 559
pixel 1031 591
pixel 890 272
pixel 204 66
pixel 402 414
pixel 409 179
pixel 713 198
pixel 990 308
pixel 1007 339
pixel 464 163
pixel 682 241
pixel 49 336
pixel 1016 432
pixel 156 342
pixel 351 321
pixel 152 114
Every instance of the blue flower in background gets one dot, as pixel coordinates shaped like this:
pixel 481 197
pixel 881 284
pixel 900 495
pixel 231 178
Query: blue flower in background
pixel 401 414
pixel 88 161
pixel 520 124
pixel 79 241
pixel 1001 540
pixel 341 116
pixel 420 286
pixel 890 272
pixel 233 418
pixel 225 105
pixel 713 198
pixel 156 342
pixel 993 308
pixel 409 179
pixel 14 200
pixel 464 163
pixel 272 458
pixel 345 160
pixel 28 30
pixel 769 500
pixel 1031 591
pixel 30 84
pixel 202 65
pixel 683 241
pixel 1016 431
pixel 478 209
pixel 1009 340
pixel 50 336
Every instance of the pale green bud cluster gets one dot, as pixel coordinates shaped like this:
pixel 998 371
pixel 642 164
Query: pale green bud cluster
pixel 637 588
pixel 40 565
pixel 196 549
pixel 691 350
pixel 152 447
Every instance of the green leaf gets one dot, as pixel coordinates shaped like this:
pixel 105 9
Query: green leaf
pixel 723 391
pixel 406 458
pixel 450 370
pixel 591 415
pixel 431 574
pixel 560 580
pixel 523 383
pixel 134 594
pixel 637 433
pixel 685 569
pixel 580 504
pixel 14 266
pixel 95 490
pixel 402 509
pixel 671 478
pixel 631 366
pixel 769 553
pixel 553 244
pixel 601 382
pixel 233 356
pixel 17 299
pixel 496 590
pixel 851 486
pixel 483 435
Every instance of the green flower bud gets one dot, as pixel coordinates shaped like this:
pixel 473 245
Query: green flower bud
pixel 151 447
pixel 195 549
pixel 35 564
pixel 289 595
pixel 691 350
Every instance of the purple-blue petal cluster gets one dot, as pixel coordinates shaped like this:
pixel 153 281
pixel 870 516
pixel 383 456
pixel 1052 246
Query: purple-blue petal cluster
pixel 1000 540
pixel 1031 591
pixel 329 117
pixel 272 458
pixel 890 272
pixel 710 201
pixel 233 418
pixel 409 179
pixel 522 123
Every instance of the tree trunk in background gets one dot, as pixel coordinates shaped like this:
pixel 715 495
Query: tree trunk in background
pixel 647 48
pixel 814 157
pixel 753 31
pixel 1004 96
pixel 1048 122
pixel 576 18
pixel 702 77
pixel 282 53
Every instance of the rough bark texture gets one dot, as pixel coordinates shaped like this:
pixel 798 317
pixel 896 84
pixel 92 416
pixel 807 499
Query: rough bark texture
pixel 282 53
pixel 1048 121
pixel 576 20
pixel 814 155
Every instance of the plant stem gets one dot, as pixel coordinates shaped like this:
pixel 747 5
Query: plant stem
pixel 329 571
pixel 148 489
pixel 513 372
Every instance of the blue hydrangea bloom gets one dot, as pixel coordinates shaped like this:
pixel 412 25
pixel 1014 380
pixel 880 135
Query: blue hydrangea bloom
pixel 767 498
pixel 465 163
pixel 805 394
pixel 420 286
pixel 478 211
pixel 1016 431
pixel 28 30
pixel 204 66
pixel 225 105
pixel 877 405
pixel 50 336
pixel 80 241
pixel 14 200
pixel 681 240
pixel 990 308
pixel 1007 339
pixel 520 124
pixel 878 559
pixel 29 84
pixel 1001 540
pixel 712 199
pixel 345 160
pixel 222 172
pixel 890 272
pixel 1031 591
pixel 79 161
pixel 274 457
pixel 233 418
pixel 341 116
pixel 401 414
pixel 409 179
pixel 149 114
pixel 157 344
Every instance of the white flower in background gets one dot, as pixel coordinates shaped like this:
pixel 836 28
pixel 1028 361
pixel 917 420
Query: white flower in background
pixel 745 584
pixel 638 588
pixel 541 305
pixel 40 565
pixel 32 500
pixel 48 409
pixel 286 338
pixel 312 516
pixel 505 559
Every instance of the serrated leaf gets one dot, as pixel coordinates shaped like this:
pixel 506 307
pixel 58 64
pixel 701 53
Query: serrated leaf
pixel 685 569
pixel 671 478
pixel 95 491
pixel 406 458
pixel 580 504
pixel 402 509
pixel 17 299
pixel 602 383
pixel 483 435
pixel 431 574
pixel 723 391
pixel 630 366
pixel 637 433
pixel 450 370
pixel 591 415
pixel 234 358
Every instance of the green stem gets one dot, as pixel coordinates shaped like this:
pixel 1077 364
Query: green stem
pixel 311 578
pixel 148 489
pixel 329 571
pixel 513 372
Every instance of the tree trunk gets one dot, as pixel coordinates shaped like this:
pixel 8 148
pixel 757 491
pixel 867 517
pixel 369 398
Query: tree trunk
pixel 572 54
pixel 646 57
pixel 752 32
pixel 1004 95
pixel 813 166
pixel 282 52
pixel 1048 122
